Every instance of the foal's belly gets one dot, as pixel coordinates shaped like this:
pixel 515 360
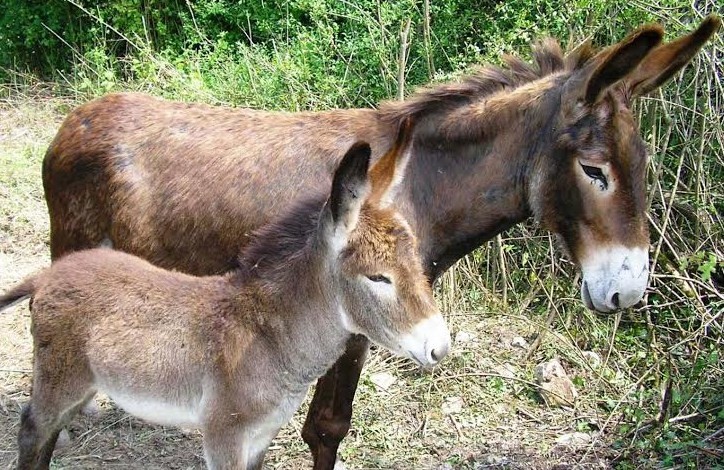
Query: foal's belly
pixel 158 411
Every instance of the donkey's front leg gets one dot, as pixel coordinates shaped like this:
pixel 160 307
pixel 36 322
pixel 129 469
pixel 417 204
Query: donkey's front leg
pixel 330 413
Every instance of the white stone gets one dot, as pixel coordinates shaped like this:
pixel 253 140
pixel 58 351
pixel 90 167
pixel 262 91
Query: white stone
pixel 519 342
pixel 574 439
pixel 452 405
pixel 462 337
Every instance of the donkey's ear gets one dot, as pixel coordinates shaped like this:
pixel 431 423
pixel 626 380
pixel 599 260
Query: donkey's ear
pixel 614 63
pixel 350 187
pixel 387 174
pixel 667 59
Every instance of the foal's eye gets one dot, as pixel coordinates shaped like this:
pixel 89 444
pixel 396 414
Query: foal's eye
pixel 596 174
pixel 379 278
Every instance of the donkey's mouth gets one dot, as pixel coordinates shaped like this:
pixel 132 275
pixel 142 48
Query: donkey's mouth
pixel 415 359
pixel 586 296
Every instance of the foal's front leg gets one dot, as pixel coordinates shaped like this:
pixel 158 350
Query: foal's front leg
pixel 231 446
pixel 228 448
pixel 330 413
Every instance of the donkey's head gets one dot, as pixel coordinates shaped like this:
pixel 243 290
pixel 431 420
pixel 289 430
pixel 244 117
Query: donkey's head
pixel 383 291
pixel 595 182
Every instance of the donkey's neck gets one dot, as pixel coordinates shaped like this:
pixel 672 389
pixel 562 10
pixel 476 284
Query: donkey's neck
pixel 473 168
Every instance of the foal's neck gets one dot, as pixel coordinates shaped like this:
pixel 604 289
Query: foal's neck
pixel 306 332
pixel 287 294
pixel 472 171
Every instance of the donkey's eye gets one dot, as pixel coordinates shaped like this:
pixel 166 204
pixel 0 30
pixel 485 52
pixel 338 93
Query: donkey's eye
pixel 596 174
pixel 379 278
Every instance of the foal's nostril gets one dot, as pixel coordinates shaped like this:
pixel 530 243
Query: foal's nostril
pixel 438 354
pixel 615 300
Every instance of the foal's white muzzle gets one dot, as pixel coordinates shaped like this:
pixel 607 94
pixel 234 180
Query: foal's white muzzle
pixel 428 342
pixel 614 278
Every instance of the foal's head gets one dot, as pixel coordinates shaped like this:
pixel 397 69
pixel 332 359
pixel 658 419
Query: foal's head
pixel 592 190
pixel 383 292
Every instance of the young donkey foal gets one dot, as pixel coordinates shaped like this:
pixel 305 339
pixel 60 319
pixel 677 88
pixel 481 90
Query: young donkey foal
pixel 233 355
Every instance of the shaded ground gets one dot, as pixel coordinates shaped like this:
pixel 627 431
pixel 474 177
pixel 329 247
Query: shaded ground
pixel 462 415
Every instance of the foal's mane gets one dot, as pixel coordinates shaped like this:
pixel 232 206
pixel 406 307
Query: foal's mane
pixel 278 245
pixel 548 58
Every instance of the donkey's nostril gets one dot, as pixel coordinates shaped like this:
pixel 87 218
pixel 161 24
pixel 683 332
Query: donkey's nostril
pixel 615 300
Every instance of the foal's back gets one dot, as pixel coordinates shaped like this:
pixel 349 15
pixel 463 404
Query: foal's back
pixel 103 296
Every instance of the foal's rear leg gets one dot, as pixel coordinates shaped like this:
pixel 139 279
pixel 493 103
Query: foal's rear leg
pixel 330 413
pixel 57 395
pixel 39 430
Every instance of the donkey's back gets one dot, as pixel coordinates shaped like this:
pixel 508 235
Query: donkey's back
pixel 183 185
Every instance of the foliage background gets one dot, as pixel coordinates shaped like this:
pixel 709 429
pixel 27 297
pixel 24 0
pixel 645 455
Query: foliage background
pixel 663 389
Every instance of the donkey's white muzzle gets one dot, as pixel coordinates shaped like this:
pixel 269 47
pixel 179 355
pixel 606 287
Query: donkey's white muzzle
pixel 428 342
pixel 615 278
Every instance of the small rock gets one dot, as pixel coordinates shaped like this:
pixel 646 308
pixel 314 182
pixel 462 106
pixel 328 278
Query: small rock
pixel 519 342
pixel 383 380
pixel 452 405
pixel 559 391
pixel 574 439
pixel 593 359
pixel 462 337
pixel 556 388
pixel 506 370
pixel 545 371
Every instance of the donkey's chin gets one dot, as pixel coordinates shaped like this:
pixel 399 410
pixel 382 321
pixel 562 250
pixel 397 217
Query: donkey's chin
pixel 428 342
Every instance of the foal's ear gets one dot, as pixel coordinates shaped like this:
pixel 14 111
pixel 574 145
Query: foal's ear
pixel 667 59
pixel 614 63
pixel 350 187
pixel 387 174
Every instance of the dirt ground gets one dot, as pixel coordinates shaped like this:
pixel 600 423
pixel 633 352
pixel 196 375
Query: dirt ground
pixel 465 414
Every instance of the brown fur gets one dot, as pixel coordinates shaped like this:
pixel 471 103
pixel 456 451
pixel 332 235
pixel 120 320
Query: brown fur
pixel 233 354
pixel 182 185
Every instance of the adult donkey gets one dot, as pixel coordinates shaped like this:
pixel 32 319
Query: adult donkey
pixel 182 184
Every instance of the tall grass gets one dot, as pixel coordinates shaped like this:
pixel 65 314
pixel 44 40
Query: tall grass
pixel 661 392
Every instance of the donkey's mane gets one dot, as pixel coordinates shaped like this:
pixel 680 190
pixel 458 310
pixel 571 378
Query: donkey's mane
pixel 278 245
pixel 548 58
